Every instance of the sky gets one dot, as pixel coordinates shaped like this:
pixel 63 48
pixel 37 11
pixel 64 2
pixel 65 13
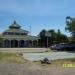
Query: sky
pixel 40 14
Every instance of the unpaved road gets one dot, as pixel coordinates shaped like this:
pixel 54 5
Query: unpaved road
pixel 24 49
pixel 33 69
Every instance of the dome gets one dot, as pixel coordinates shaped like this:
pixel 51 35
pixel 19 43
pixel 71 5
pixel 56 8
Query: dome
pixel 15 25
pixel 15 29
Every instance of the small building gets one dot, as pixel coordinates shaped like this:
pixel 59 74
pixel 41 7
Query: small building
pixel 15 36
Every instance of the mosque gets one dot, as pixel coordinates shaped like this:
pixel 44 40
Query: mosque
pixel 17 37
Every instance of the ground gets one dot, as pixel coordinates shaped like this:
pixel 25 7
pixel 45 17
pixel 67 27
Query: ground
pixel 33 69
pixel 14 64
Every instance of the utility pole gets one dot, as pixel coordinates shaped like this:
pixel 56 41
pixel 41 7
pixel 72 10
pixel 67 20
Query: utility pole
pixel 47 41
pixel 47 34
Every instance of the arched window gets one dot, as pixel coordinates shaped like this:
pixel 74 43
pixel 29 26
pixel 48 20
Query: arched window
pixel 14 43
pixel 21 43
pixel 6 43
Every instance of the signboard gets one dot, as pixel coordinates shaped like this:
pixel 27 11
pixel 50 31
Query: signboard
pixel 48 34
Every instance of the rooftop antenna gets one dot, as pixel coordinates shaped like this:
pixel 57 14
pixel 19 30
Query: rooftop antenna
pixel 30 29
pixel 14 19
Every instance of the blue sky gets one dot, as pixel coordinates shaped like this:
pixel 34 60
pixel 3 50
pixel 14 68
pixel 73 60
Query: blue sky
pixel 40 14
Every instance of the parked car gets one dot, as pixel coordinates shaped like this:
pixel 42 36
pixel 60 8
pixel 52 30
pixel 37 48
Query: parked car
pixel 54 46
pixel 63 46
pixel 71 47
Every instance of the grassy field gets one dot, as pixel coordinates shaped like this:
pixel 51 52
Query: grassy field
pixel 11 57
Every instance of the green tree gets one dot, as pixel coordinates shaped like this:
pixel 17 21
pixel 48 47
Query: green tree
pixel 44 38
pixel 1 40
pixel 52 37
pixel 60 38
pixel 42 41
pixel 70 25
pixel 42 33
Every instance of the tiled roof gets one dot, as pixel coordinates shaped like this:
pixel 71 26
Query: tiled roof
pixel 24 37
pixel 16 31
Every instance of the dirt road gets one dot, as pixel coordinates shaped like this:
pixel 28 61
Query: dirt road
pixel 33 69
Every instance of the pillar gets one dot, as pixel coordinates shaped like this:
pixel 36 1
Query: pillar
pixel 10 43
pixel 37 43
pixel 3 44
pixel 32 43
pixel 24 43
pixel 18 43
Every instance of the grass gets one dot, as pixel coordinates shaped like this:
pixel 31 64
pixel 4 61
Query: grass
pixel 11 57
pixel 59 62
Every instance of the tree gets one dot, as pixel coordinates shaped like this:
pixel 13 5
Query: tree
pixel 42 33
pixel 1 40
pixel 55 37
pixel 70 25
pixel 42 41
pixel 60 38
pixel 52 39
pixel 44 38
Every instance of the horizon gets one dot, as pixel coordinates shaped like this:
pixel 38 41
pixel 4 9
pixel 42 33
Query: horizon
pixel 40 14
